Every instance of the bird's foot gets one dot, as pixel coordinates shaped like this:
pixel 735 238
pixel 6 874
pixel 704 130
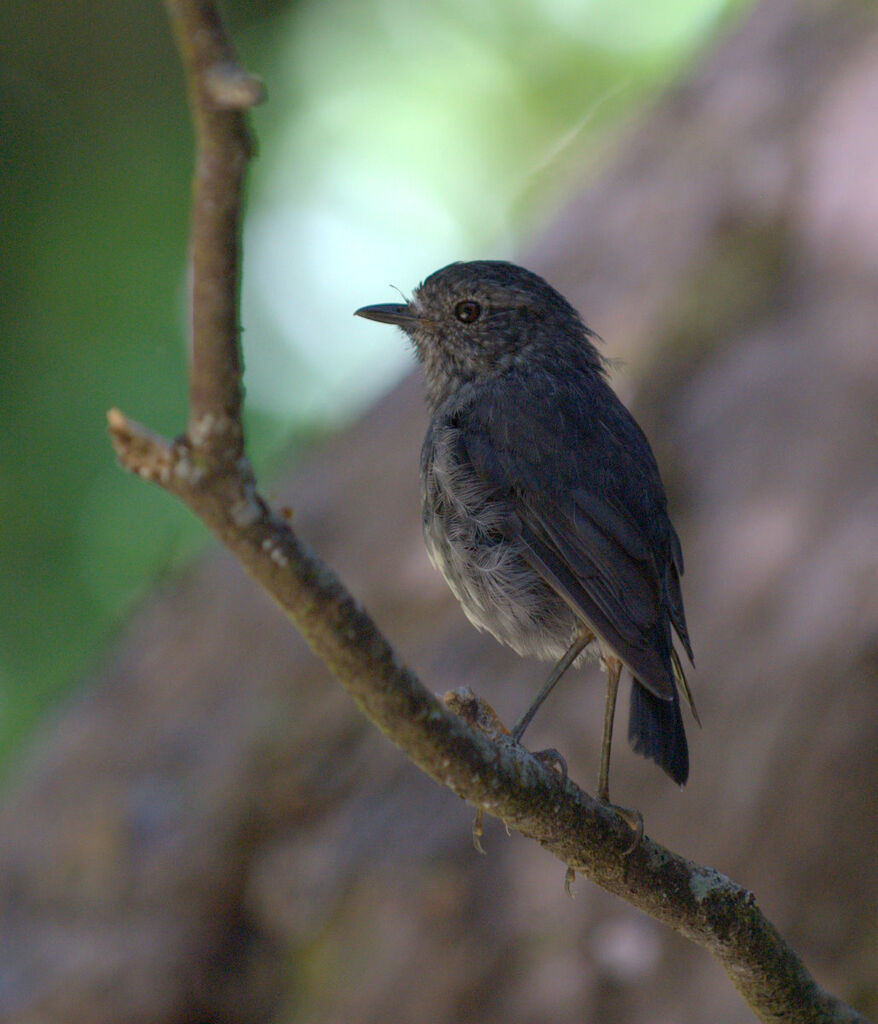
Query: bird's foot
pixel 633 819
pixel 552 758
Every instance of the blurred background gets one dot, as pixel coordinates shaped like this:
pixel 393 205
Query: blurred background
pixel 195 823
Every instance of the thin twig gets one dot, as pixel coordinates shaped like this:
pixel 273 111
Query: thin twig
pixel 219 94
pixel 208 471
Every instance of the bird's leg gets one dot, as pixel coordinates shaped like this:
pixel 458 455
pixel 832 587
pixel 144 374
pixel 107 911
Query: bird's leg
pixel 634 819
pixel 571 654
pixel 614 670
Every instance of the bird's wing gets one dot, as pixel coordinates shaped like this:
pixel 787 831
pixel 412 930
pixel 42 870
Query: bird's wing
pixel 589 507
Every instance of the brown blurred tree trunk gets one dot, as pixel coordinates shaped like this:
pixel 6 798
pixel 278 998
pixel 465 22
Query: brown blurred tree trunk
pixel 211 832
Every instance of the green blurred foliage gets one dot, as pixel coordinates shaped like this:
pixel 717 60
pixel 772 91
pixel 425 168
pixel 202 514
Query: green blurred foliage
pixel 451 124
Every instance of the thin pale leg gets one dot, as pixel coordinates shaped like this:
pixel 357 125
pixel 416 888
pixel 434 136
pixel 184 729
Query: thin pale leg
pixel 572 653
pixel 614 670
pixel 634 819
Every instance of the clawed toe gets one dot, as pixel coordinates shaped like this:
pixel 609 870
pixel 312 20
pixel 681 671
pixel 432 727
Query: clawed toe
pixel 477 833
pixel 552 758
pixel 633 819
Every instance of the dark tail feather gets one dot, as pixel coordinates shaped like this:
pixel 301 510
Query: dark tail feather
pixel 655 729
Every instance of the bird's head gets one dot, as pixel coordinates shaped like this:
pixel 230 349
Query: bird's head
pixel 473 320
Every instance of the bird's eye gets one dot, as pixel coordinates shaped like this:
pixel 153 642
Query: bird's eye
pixel 467 312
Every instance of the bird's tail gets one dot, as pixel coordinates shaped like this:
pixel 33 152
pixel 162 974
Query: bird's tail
pixel 682 684
pixel 655 730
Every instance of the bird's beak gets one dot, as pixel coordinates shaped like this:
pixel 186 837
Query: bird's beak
pixel 390 313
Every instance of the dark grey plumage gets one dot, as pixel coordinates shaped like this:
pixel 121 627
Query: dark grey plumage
pixel 543 504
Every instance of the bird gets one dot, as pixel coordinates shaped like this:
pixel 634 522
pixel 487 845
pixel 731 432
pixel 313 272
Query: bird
pixel 543 506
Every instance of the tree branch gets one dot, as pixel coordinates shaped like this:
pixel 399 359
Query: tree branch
pixel 219 94
pixel 208 470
